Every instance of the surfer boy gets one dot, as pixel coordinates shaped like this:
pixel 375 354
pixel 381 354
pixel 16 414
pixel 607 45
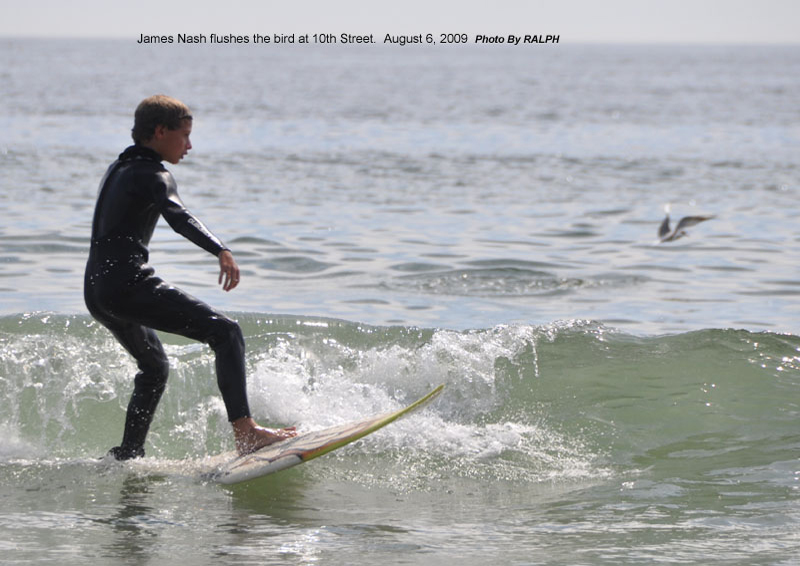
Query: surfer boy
pixel 123 293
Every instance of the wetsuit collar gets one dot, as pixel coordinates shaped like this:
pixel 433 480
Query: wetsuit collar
pixel 140 152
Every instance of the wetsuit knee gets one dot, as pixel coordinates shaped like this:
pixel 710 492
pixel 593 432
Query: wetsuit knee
pixel 225 333
pixel 153 373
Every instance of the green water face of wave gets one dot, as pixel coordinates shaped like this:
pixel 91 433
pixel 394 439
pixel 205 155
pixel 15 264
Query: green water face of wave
pixel 567 400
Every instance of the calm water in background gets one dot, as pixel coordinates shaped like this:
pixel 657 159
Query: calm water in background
pixel 482 217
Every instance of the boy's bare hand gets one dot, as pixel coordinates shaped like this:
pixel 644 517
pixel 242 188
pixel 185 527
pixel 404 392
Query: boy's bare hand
pixel 228 271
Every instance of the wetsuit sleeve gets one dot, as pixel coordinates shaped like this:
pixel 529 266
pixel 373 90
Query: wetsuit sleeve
pixel 183 221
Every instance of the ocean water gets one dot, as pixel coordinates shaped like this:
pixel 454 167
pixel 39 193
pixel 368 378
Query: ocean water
pixel 482 217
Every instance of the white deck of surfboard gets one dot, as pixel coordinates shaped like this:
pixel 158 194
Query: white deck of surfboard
pixel 306 446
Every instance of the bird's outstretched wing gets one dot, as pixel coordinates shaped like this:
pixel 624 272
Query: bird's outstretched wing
pixel 687 221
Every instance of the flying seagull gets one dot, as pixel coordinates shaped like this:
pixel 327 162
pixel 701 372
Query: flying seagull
pixel 664 234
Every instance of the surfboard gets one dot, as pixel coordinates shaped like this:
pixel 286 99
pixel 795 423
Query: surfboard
pixel 307 446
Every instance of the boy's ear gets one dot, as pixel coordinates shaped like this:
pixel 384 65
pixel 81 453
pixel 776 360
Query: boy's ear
pixel 159 131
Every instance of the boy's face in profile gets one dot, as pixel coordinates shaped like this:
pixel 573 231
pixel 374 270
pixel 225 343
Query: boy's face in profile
pixel 172 145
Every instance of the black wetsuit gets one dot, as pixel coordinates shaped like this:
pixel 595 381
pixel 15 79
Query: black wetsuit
pixel 122 292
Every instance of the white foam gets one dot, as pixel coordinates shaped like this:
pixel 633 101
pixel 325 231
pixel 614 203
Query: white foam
pixel 12 447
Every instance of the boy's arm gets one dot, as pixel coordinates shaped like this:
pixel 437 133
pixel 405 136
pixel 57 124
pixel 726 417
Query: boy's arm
pixel 184 222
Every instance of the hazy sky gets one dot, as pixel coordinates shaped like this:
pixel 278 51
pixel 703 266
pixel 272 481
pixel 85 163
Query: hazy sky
pixel 684 21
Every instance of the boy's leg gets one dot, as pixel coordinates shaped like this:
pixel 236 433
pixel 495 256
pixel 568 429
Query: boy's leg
pixel 163 307
pixel 143 344
pixel 157 305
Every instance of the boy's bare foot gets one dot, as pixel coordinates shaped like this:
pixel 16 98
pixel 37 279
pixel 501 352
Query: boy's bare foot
pixel 251 437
